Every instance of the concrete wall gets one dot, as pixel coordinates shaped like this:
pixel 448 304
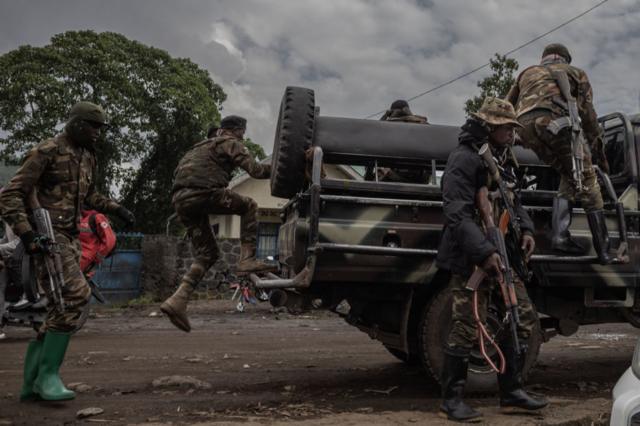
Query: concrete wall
pixel 166 259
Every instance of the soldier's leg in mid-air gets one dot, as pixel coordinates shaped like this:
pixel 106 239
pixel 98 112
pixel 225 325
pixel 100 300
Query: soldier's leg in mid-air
pixel 512 393
pixel 457 350
pixel 228 201
pixel 206 253
pixel 46 354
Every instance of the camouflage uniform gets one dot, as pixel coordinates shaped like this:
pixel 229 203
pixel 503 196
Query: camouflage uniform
pixel 63 175
pixel 61 171
pixel 199 190
pixel 538 101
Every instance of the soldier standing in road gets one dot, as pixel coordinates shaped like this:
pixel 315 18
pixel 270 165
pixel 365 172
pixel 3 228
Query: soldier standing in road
pixel 200 189
pixel 539 105
pixel 400 112
pixel 62 172
pixel 464 246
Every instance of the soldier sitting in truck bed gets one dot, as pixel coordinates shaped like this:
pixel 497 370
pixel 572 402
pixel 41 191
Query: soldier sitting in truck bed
pixel 400 112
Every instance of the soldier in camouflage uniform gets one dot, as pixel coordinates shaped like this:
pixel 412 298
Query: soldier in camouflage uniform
pixel 200 189
pixel 464 247
pixel 401 113
pixel 539 102
pixel 62 172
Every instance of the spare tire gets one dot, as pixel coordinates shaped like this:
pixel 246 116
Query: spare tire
pixel 294 135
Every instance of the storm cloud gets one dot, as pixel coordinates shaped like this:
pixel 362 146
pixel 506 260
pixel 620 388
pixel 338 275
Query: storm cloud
pixel 357 55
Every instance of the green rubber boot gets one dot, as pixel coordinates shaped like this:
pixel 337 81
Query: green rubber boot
pixel 48 384
pixel 31 362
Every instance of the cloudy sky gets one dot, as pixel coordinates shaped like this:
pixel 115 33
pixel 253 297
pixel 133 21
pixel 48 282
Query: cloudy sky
pixel 357 55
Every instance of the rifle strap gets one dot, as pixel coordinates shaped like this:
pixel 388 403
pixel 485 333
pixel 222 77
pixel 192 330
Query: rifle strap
pixel 483 334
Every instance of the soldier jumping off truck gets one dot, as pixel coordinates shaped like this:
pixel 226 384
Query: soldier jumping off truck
pixel 200 189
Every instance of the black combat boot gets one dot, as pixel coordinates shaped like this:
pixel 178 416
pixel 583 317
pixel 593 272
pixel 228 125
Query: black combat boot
pixel 560 222
pixel 454 377
pixel 512 394
pixel 600 235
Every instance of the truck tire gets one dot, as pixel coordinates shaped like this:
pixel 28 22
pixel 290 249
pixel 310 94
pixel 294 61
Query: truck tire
pixel 433 331
pixel 409 359
pixel 294 135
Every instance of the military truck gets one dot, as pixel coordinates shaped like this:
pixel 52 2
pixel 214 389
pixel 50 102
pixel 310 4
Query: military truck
pixel 366 249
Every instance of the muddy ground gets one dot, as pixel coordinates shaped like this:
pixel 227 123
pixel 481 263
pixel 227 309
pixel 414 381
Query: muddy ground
pixel 260 367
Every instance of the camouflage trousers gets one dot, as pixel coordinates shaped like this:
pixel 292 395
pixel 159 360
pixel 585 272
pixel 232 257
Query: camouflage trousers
pixel 555 150
pixel 76 291
pixel 463 332
pixel 194 206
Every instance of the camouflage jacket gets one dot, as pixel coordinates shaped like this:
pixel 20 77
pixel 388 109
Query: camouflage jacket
pixel 63 175
pixel 536 88
pixel 419 119
pixel 209 164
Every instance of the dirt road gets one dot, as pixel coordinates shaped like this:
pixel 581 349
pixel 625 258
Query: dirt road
pixel 264 368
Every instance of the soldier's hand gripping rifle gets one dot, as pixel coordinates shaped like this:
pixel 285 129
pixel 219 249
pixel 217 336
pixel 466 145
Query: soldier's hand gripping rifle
pixel 51 250
pixel 496 234
pixel 572 121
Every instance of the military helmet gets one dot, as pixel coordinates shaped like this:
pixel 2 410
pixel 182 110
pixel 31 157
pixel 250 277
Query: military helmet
pixel 557 49
pixel 496 112
pixel 233 122
pixel 399 104
pixel 88 111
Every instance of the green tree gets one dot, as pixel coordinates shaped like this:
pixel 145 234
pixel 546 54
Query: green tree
pixel 157 107
pixel 256 150
pixel 497 84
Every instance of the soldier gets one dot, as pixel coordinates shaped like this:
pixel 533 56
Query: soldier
pixel 62 171
pixel 200 189
pixel 539 104
pixel 401 113
pixel 464 246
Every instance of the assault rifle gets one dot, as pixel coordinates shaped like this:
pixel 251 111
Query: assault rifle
pixel 496 234
pixel 51 255
pixel 573 121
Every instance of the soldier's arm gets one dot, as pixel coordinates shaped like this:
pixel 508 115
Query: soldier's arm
pixel 514 93
pixel 463 175
pixel 592 130
pixel 241 157
pixel 588 114
pixel 99 202
pixel 14 196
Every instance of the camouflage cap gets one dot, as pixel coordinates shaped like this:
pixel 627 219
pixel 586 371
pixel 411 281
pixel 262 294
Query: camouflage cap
pixel 233 122
pixel 496 111
pixel 88 111
pixel 557 49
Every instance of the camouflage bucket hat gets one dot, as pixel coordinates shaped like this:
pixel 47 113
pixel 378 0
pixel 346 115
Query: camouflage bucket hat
pixel 496 111
pixel 88 111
